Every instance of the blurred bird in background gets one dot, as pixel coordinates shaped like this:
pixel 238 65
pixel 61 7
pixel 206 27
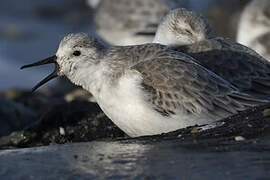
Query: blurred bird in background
pixel 254 27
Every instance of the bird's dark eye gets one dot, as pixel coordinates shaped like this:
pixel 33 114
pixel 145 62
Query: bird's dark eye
pixel 77 53
pixel 188 31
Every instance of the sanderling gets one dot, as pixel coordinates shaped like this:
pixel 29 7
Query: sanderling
pixel 130 22
pixel 187 32
pixel 146 89
pixel 254 27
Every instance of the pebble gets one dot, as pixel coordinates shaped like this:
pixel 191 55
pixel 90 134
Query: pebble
pixel 239 138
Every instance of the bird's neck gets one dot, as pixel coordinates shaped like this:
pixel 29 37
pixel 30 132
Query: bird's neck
pixel 94 78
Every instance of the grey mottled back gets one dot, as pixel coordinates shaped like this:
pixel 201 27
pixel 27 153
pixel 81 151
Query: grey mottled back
pixel 239 65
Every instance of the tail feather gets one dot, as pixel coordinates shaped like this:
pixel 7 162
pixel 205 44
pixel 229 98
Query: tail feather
pixel 247 101
pixel 261 86
pixel 236 102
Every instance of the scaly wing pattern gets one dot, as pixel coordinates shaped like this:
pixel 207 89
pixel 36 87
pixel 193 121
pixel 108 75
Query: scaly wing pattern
pixel 177 85
pixel 239 65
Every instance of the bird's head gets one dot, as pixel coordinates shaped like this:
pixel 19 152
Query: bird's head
pixel 182 27
pixel 76 51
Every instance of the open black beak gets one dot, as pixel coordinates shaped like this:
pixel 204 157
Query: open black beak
pixel 145 33
pixel 53 75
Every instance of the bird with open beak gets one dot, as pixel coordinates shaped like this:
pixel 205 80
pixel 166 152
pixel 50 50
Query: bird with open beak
pixel 146 89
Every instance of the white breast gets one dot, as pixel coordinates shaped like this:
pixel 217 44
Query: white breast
pixel 126 105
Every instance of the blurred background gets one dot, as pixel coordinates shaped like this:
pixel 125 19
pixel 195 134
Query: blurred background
pixel 30 30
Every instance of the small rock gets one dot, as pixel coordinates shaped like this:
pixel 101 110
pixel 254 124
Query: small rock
pixel 239 138
pixel 62 131
pixel 266 112
pixel 195 130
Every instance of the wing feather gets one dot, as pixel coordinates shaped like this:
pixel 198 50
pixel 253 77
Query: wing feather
pixel 176 84
pixel 239 65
